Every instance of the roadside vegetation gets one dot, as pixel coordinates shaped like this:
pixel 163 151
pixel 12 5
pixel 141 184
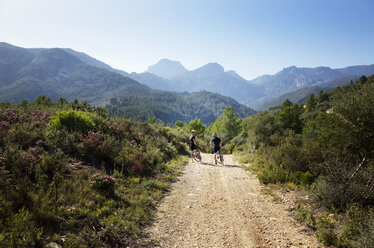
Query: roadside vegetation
pixel 72 176
pixel 326 146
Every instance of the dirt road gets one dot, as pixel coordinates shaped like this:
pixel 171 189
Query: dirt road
pixel 222 206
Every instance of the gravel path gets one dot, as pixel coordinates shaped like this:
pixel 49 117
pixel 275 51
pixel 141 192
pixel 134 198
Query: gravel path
pixel 222 206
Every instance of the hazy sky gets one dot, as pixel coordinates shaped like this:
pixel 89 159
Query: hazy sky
pixel 252 37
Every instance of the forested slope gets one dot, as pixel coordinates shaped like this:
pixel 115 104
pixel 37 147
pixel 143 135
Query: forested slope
pixel 170 106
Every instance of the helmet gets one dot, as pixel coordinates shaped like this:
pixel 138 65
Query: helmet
pixel 214 135
pixel 193 131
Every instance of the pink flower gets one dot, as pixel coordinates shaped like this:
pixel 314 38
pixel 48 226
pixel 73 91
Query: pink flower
pixel 110 179
pixel 2 161
pixel 35 150
pixel 136 166
pixel 4 125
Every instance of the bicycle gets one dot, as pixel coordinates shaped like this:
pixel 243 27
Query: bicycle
pixel 220 156
pixel 196 155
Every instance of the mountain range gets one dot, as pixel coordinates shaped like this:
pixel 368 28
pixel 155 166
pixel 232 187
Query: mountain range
pixel 299 96
pixel 27 73
pixel 255 93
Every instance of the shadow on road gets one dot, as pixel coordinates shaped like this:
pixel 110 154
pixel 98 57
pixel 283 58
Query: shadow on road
pixel 219 165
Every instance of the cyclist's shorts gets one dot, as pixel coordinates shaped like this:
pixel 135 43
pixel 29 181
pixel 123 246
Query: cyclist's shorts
pixel 216 149
pixel 193 149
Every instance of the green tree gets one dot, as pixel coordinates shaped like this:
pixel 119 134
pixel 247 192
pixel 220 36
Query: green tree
pixel 43 100
pixel 289 117
pixel 346 136
pixel 179 124
pixel 322 97
pixel 310 103
pixel 363 79
pixel 197 125
pixel 61 101
pixel 230 123
pixel 24 103
pixel 151 120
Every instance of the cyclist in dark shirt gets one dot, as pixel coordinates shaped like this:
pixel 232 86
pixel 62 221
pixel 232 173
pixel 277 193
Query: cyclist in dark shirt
pixel 193 144
pixel 216 144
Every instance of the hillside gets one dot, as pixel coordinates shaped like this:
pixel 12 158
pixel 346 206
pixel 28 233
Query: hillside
pixel 70 176
pixel 28 73
pixel 299 96
pixel 55 73
pixel 325 146
pixel 170 107
pixel 294 78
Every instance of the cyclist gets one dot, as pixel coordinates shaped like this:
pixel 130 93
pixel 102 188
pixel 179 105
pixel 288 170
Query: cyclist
pixel 193 144
pixel 216 144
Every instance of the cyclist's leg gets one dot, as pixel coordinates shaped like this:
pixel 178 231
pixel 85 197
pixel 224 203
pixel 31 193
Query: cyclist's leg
pixel 215 155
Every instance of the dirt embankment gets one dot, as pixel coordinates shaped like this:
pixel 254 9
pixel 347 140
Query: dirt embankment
pixel 222 206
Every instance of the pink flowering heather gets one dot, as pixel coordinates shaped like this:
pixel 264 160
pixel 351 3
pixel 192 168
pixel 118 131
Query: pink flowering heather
pixel 2 165
pixel 92 139
pixel 35 150
pixel 2 161
pixel 109 179
pixel 137 166
pixel 4 125
pixel 11 115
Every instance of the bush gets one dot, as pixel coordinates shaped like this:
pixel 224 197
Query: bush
pixel 305 216
pixel 325 229
pixel 104 184
pixel 302 178
pixel 228 149
pixel 273 174
pixel 290 152
pixel 73 120
pixel 49 192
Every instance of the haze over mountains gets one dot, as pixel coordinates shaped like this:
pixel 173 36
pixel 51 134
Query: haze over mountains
pixel 27 73
pixel 254 92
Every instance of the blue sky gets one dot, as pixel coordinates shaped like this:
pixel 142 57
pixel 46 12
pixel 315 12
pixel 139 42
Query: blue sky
pixel 251 37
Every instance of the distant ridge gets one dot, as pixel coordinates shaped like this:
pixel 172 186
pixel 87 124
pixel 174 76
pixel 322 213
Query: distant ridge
pixel 299 96
pixel 26 74
pixel 16 68
pixel 213 77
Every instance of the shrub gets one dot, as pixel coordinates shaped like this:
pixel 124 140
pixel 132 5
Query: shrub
pixel 228 149
pixel 305 216
pixel 290 153
pixel 47 192
pixel 104 184
pixel 72 120
pixel 302 178
pixel 325 229
pixel 273 174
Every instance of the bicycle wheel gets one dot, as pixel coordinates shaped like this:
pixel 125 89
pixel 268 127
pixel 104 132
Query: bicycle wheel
pixel 221 157
pixel 197 156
